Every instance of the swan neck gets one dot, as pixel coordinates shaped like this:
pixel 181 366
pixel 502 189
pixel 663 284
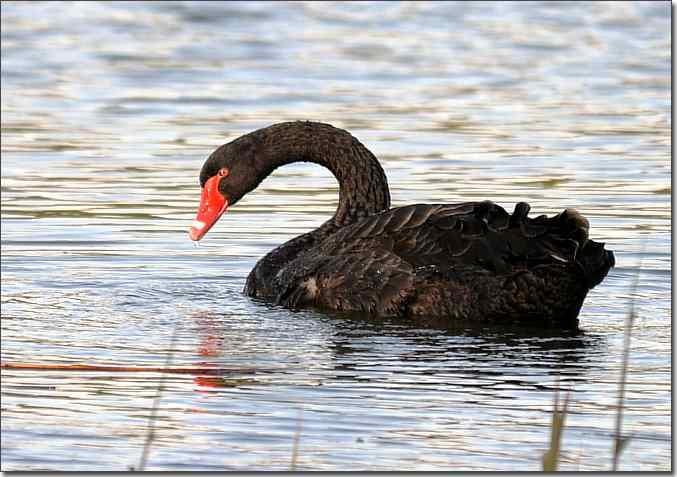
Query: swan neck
pixel 363 186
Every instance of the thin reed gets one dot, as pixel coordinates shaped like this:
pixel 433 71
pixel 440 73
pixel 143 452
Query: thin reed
pixel 297 439
pixel 150 434
pixel 551 457
pixel 619 441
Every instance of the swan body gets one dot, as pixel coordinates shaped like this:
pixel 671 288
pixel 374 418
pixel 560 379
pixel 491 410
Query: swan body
pixel 467 262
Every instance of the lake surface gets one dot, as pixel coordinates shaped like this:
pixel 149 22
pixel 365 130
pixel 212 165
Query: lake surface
pixel 108 112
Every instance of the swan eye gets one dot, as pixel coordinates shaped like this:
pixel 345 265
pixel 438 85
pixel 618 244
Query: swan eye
pixel 223 172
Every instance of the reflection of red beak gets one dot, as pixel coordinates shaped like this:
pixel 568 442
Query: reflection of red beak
pixel 212 206
pixel 209 381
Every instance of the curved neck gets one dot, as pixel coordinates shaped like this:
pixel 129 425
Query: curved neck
pixel 363 187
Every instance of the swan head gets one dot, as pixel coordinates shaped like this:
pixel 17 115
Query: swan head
pixel 229 173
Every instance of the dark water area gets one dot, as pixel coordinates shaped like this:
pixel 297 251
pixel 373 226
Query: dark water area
pixel 108 112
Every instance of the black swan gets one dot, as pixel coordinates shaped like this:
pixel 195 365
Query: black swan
pixel 463 262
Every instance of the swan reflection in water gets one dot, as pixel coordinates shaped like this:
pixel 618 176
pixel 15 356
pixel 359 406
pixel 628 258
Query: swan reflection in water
pixel 315 348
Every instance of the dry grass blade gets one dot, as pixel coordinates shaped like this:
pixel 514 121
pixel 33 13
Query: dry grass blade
pixel 551 457
pixel 297 438
pixel 619 441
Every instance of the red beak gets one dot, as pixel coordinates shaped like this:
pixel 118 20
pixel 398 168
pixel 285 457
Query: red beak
pixel 212 206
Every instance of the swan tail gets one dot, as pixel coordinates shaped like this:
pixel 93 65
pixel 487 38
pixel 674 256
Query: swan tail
pixel 562 238
pixel 595 262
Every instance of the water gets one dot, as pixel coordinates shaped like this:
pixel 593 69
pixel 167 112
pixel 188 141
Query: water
pixel 108 111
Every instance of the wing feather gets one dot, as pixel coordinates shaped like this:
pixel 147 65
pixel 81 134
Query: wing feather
pixel 472 233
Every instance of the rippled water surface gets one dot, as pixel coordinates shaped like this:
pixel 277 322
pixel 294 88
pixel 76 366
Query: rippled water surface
pixel 108 111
